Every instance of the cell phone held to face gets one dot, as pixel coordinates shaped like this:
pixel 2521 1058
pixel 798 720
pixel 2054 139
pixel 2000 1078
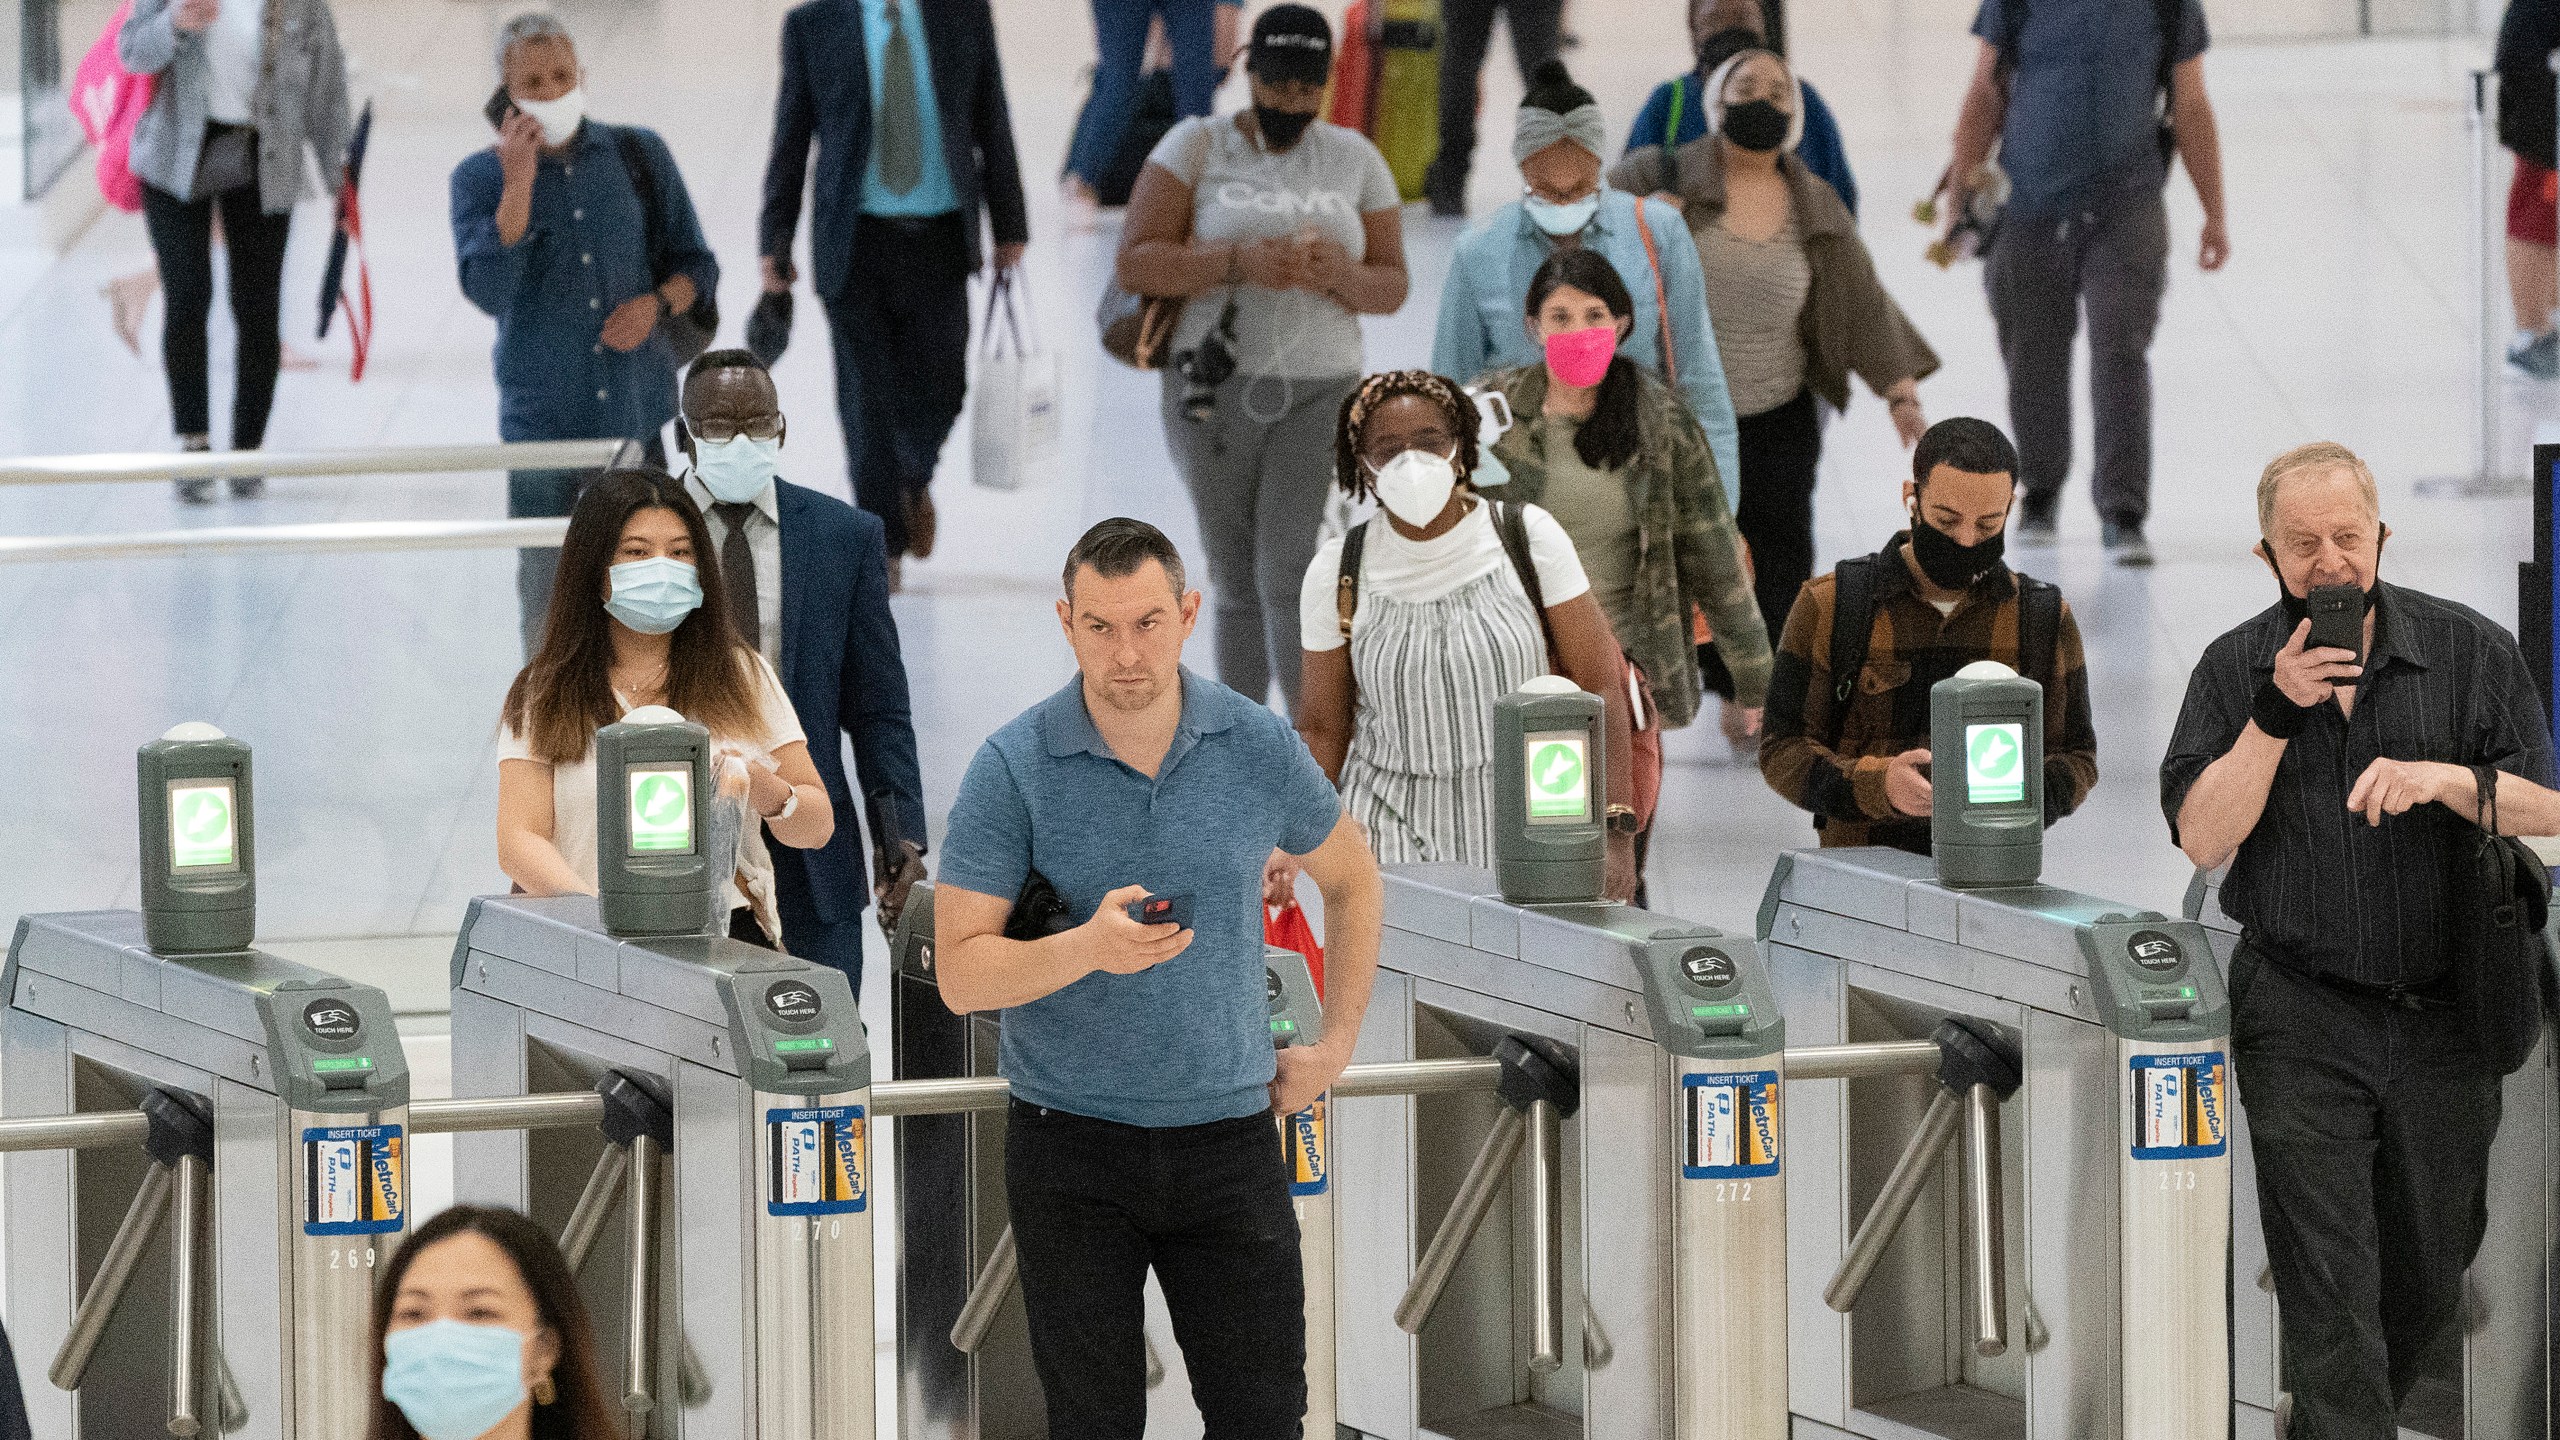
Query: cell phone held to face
pixel 2337 618
pixel 1172 910
pixel 499 109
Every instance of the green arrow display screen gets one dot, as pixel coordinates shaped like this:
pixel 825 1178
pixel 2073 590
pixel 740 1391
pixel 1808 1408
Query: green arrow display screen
pixel 204 825
pixel 661 809
pixel 1558 777
pixel 1995 763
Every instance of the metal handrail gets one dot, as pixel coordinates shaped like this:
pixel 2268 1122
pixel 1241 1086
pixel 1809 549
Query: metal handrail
pixel 314 539
pixel 377 460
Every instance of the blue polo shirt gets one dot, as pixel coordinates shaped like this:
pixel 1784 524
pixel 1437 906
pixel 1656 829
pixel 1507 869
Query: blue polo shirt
pixel 1189 1041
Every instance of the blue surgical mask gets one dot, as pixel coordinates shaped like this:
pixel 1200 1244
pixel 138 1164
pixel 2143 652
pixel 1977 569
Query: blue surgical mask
pixel 1561 220
pixel 654 595
pixel 737 470
pixel 454 1381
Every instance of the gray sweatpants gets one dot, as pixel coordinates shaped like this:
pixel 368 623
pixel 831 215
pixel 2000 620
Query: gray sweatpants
pixel 1258 469
pixel 2041 273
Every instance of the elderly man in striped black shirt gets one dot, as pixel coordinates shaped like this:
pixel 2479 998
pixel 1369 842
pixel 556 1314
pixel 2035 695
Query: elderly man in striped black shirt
pixel 2337 786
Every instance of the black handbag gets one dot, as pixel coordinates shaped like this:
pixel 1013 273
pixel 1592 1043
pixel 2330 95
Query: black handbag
pixel 688 332
pixel 2501 896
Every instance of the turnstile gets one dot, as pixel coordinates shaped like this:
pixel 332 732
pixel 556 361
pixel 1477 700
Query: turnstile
pixel 232 1293
pixel 1653 1235
pixel 2118 1207
pixel 2491 1380
pixel 737 1090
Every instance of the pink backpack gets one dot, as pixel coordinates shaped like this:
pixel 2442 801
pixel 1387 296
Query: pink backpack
pixel 108 101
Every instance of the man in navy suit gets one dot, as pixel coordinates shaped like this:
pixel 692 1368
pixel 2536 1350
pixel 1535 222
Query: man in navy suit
pixel 906 103
pixel 808 589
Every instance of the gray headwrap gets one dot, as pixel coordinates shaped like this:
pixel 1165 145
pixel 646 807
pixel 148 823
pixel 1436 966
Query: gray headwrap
pixel 1537 129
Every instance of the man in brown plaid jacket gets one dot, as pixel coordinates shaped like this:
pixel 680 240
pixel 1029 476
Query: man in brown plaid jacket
pixel 1853 748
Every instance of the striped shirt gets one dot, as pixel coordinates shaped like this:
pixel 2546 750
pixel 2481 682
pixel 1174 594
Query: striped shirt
pixel 1756 291
pixel 2314 885
pixel 1910 648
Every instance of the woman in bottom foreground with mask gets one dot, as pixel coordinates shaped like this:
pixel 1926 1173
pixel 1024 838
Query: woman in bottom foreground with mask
pixel 479 1334
pixel 1403 665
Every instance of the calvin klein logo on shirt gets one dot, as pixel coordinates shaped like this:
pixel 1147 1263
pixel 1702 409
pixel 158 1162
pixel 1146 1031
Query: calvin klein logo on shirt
pixel 1239 195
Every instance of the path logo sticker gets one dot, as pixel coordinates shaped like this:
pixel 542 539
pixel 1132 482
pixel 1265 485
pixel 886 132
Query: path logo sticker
pixel 1559 780
pixel 2181 1106
pixel 662 811
pixel 1995 771
pixel 355 1180
pixel 202 830
pixel 820 1161
pixel 1730 1125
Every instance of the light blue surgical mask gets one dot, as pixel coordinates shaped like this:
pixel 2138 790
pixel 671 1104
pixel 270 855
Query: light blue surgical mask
pixel 654 595
pixel 454 1381
pixel 1561 220
pixel 737 470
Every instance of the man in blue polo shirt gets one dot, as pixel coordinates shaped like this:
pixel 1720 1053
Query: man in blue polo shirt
pixel 1144 1082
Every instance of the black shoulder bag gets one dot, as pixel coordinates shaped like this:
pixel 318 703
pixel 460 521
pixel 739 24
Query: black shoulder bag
pixel 2501 898
pixel 689 332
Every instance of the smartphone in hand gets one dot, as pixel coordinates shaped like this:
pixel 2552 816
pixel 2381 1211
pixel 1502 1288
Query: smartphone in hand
pixel 499 110
pixel 2337 619
pixel 1162 910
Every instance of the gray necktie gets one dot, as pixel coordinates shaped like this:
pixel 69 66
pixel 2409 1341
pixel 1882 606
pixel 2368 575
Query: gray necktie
pixel 738 572
pixel 897 140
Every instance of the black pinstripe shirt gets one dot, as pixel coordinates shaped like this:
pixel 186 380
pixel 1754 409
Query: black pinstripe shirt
pixel 2314 885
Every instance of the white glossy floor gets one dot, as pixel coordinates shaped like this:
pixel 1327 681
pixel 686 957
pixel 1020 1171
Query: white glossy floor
pixel 370 684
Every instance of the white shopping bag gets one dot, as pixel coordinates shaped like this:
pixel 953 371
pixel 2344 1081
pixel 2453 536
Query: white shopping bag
pixel 1014 438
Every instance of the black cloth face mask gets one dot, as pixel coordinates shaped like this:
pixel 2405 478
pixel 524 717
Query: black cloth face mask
pixel 1757 125
pixel 1281 128
pixel 1951 566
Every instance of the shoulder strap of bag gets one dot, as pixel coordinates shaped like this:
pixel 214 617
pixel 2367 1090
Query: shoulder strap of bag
pixel 644 185
pixel 1346 585
pixel 1512 524
pixel 2039 631
pixel 1853 619
pixel 1653 262
pixel 2013 37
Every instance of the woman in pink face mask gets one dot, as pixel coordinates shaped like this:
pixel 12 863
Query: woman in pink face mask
pixel 1614 454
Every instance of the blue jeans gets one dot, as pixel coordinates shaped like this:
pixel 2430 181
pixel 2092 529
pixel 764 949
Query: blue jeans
pixel 1120 31
pixel 1095 1205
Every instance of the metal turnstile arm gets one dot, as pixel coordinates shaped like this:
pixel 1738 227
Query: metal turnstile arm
pixel 185 1238
pixel 1911 1171
pixel 1982 1204
pixel 1476 1194
pixel 639 1345
pixel 115 1271
pixel 595 1203
pixel 1546 1232
pixel 986 1295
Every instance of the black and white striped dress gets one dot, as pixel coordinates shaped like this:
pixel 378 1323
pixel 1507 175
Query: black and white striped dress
pixel 1419 773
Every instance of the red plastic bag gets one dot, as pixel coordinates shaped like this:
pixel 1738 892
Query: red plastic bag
pixel 108 101
pixel 1289 930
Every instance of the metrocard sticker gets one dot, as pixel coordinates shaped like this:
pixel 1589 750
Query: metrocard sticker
pixel 1307 1171
pixel 1729 1125
pixel 2181 1106
pixel 357 1180
pixel 821 1161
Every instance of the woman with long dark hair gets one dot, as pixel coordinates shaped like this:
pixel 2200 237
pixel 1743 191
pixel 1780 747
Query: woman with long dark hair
pixel 479 1334
pixel 1419 619
pixel 639 617
pixel 1615 456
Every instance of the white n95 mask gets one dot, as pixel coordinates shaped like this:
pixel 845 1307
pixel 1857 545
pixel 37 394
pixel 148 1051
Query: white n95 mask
pixel 559 118
pixel 1414 487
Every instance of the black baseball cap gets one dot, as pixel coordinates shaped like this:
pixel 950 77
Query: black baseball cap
pixel 1291 43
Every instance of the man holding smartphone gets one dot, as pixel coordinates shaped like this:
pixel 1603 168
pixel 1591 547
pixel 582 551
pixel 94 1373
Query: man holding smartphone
pixel 1144 1081
pixel 2334 780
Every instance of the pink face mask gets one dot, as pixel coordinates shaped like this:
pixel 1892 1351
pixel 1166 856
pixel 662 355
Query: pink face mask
pixel 1580 357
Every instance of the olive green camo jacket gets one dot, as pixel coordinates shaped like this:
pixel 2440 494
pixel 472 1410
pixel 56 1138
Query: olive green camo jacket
pixel 1688 552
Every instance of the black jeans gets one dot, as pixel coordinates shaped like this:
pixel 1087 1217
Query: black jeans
pixel 2372 1134
pixel 2041 275
pixel 901 334
pixel 1095 1204
pixel 182 237
pixel 1781 452
pixel 1466 32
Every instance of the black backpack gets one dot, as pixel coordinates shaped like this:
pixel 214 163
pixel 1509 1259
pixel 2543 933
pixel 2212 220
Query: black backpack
pixel 2500 898
pixel 690 333
pixel 1853 624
